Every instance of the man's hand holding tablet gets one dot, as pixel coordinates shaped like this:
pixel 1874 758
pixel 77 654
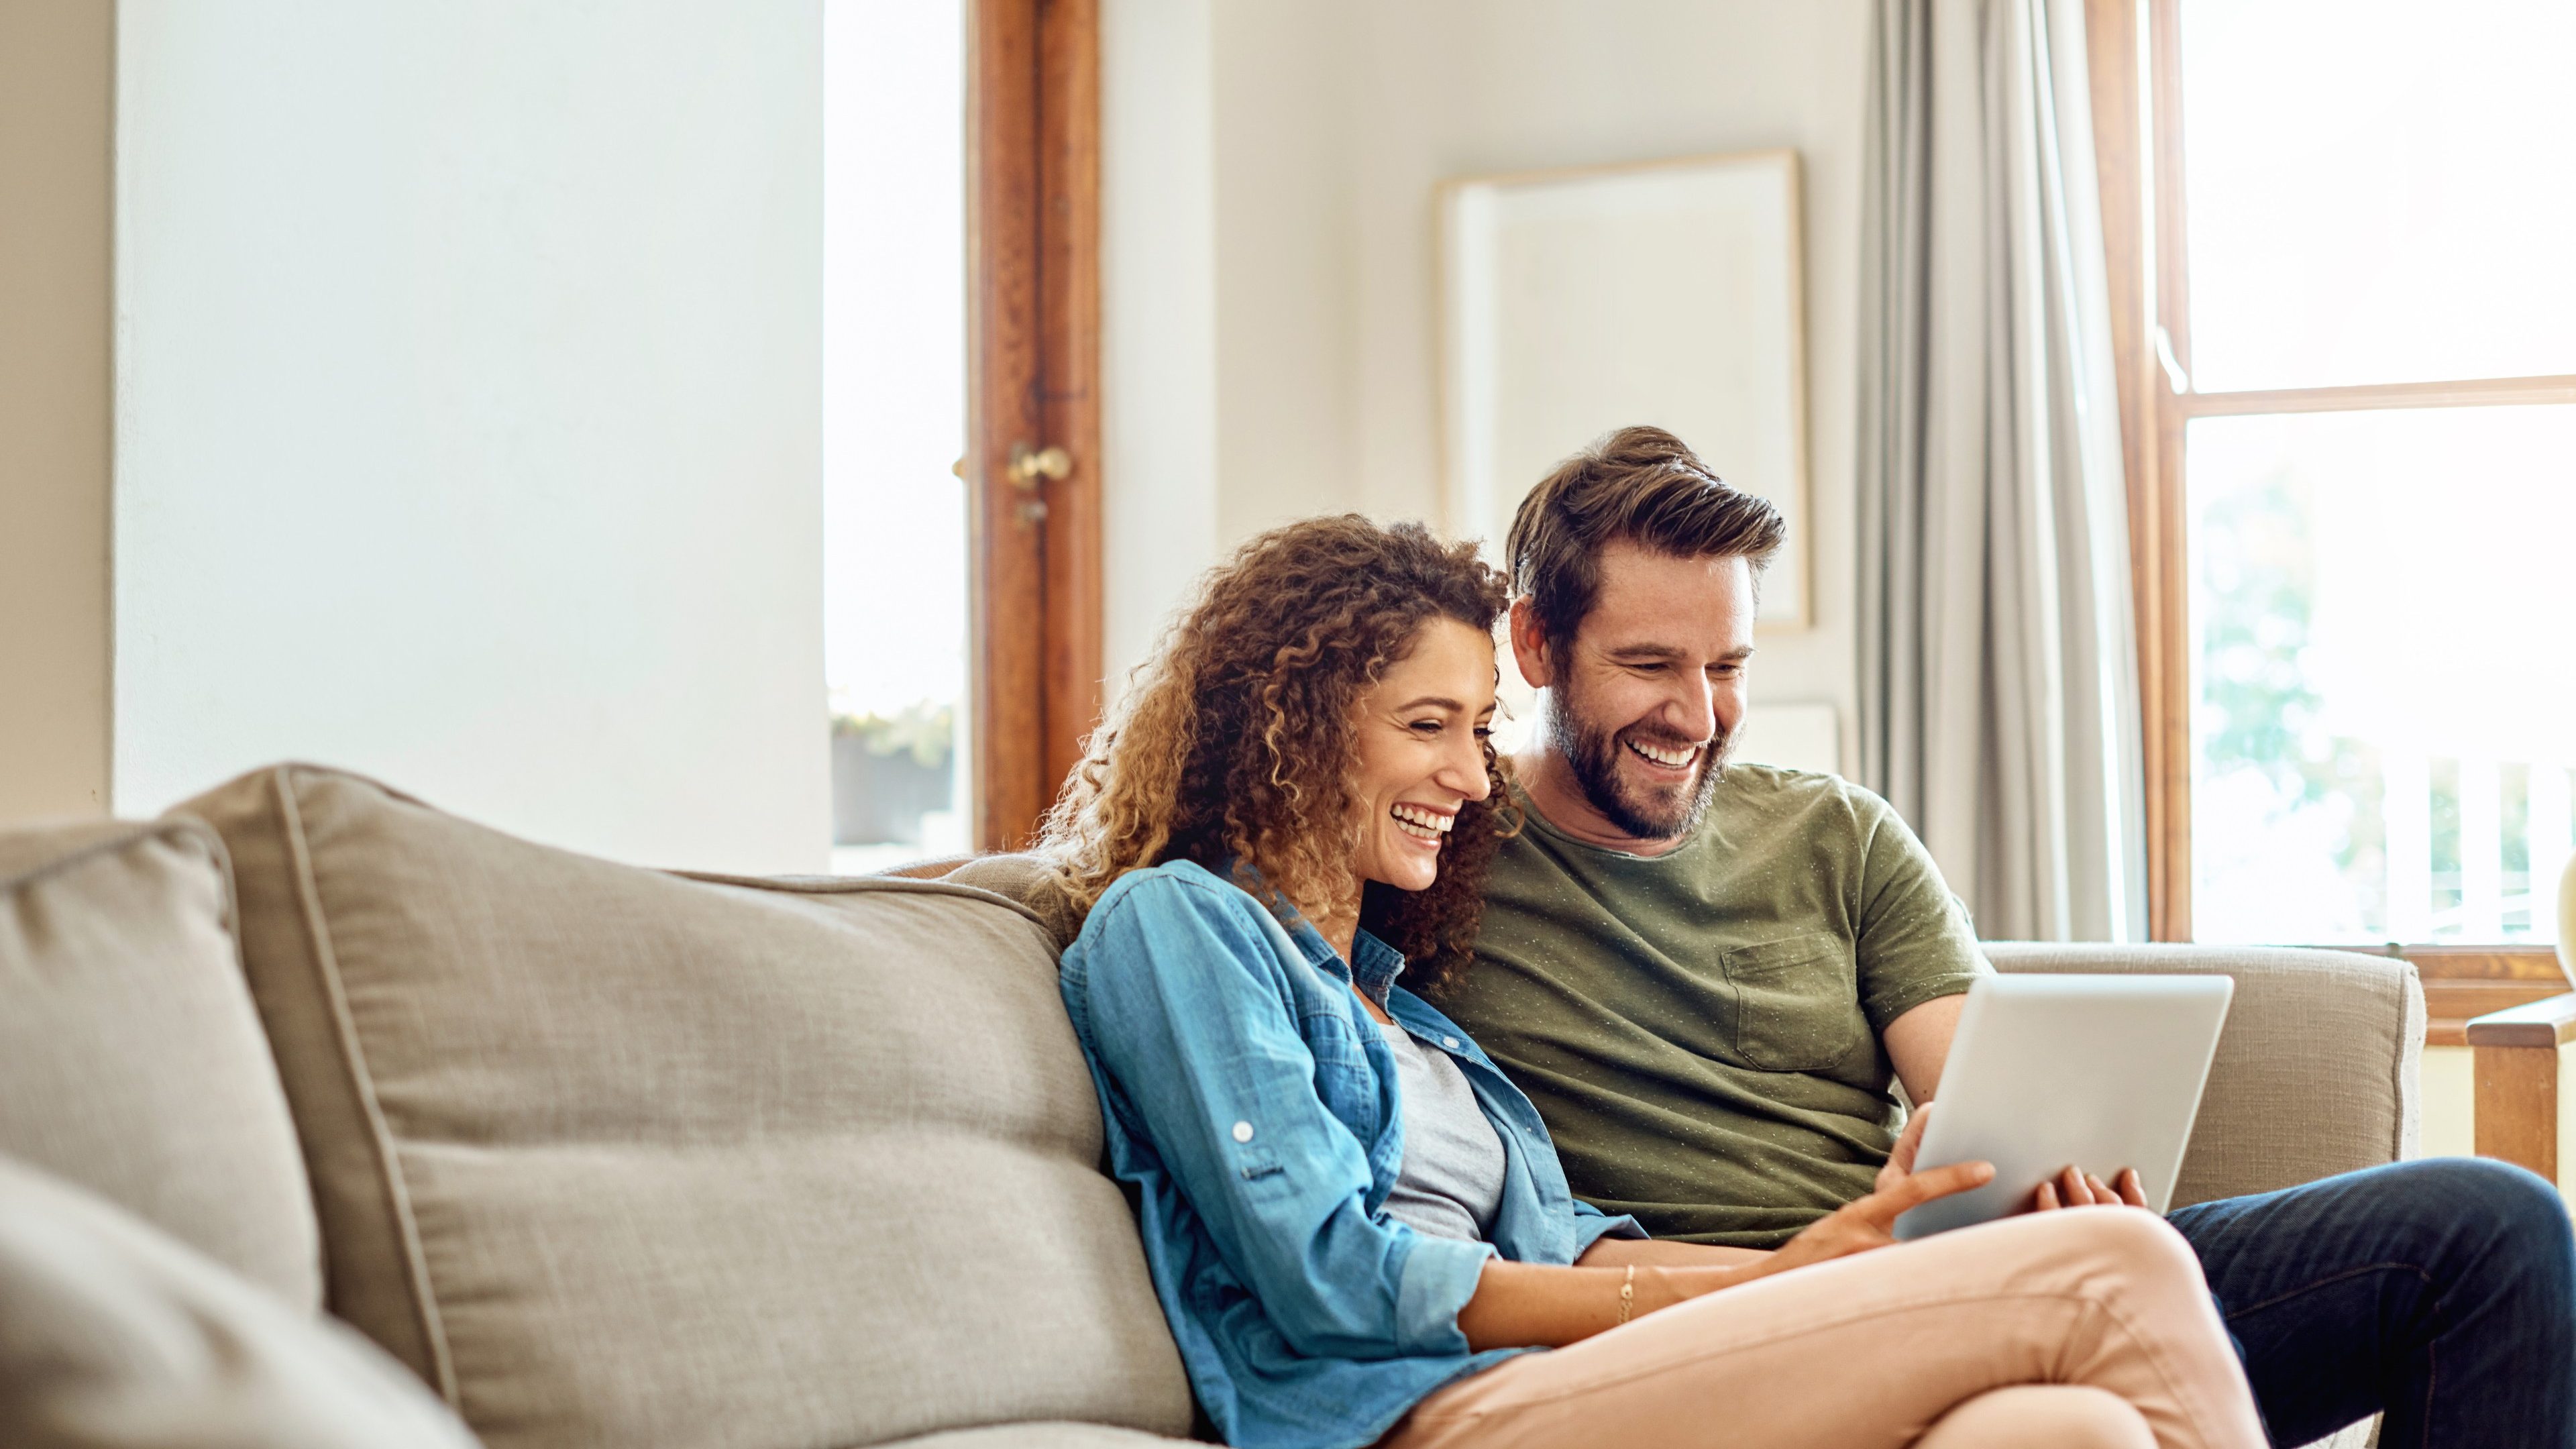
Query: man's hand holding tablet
pixel 2081 1189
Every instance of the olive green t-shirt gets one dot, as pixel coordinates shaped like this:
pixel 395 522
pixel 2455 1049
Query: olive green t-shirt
pixel 1700 1029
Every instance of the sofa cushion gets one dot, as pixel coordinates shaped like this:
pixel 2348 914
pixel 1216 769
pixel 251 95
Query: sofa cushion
pixel 131 1061
pixel 1026 878
pixel 115 1335
pixel 612 1156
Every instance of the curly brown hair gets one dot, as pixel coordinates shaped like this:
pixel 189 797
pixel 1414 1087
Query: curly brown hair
pixel 1234 746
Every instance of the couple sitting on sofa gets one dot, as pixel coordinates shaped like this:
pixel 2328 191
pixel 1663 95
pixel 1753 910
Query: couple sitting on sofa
pixel 1693 987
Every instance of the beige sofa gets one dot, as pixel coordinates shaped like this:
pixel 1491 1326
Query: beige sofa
pixel 593 1155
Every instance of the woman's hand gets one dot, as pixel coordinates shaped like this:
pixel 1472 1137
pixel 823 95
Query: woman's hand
pixel 1870 1222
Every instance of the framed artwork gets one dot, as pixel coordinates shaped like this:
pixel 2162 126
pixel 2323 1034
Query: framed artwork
pixel 1575 302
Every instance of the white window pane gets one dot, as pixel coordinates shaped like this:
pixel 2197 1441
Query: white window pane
pixel 894 420
pixel 2384 673
pixel 2379 190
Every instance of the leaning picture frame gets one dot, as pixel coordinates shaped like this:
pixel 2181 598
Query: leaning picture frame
pixel 1666 292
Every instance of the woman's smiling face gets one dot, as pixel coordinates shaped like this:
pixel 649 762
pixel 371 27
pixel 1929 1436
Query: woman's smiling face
pixel 1419 752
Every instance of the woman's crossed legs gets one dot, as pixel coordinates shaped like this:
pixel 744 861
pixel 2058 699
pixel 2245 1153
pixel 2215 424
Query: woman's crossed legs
pixel 1894 1348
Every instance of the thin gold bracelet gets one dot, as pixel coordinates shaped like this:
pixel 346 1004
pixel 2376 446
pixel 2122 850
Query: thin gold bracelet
pixel 1628 1294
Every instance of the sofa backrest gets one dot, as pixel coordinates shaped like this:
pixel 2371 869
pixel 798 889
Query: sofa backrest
pixel 612 1156
pixel 2315 1072
pixel 131 1061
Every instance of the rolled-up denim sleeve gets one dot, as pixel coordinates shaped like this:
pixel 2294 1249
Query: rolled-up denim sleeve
pixel 1591 1225
pixel 1191 1020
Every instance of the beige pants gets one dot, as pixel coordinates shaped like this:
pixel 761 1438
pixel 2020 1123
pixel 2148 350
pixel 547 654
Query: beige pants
pixel 2084 1329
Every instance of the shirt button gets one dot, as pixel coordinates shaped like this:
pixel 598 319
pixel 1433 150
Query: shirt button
pixel 1450 1042
pixel 1242 1131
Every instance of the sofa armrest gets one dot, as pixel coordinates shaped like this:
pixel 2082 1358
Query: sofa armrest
pixel 2316 1069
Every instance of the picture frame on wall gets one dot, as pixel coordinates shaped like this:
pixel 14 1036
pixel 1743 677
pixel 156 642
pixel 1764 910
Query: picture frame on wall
pixel 1578 301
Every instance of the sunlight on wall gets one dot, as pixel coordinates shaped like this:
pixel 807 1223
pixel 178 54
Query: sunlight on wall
pixel 2449 1089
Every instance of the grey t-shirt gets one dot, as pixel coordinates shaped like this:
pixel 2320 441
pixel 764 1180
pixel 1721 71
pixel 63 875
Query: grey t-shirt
pixel 1452 1179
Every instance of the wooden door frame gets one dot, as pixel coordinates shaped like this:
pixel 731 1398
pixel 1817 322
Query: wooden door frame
pixel 1033 384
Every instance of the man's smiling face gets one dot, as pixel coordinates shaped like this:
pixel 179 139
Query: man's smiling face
pixel 1644 701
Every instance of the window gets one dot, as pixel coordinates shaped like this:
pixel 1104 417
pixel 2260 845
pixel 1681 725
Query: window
pixel 962 417
pixel 2358 357
pixel 895 644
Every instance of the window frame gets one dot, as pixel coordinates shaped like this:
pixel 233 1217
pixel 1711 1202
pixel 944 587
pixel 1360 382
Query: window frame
pixel 2136 75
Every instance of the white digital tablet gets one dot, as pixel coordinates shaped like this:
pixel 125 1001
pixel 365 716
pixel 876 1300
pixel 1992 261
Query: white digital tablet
pixel 2047 1072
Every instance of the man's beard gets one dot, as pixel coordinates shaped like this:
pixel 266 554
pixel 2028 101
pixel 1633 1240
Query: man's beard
pixel 1593 755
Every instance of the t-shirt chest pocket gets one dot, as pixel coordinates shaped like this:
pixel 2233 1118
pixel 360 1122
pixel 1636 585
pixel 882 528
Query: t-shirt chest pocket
pixel 1797 1006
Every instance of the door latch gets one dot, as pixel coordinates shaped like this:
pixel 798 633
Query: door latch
pixel 1026 467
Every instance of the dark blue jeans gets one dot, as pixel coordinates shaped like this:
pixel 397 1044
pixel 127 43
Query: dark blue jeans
pixel 2441 1293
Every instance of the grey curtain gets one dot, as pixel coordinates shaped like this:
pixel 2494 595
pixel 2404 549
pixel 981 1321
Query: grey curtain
pixel 1998 690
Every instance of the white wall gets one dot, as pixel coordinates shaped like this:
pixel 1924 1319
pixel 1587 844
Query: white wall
pixel 1289 110
pixel 1158 315
pixel 1333 122
pixel 468 412
pixel 57 85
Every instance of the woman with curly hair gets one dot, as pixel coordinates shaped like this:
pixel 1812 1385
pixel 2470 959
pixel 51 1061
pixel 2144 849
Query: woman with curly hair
pixel 1357 1226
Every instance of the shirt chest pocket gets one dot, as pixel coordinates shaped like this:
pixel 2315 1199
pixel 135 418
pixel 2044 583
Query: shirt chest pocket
pixel 1344 1079
pixel 1797 1008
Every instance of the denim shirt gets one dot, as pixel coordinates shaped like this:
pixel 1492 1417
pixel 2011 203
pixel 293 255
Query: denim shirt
pixel 1258 1118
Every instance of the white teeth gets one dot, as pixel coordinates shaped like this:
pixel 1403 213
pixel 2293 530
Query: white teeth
pixel 1674 758
pixel 1421 823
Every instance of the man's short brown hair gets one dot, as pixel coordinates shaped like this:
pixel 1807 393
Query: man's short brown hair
pixel 1638 485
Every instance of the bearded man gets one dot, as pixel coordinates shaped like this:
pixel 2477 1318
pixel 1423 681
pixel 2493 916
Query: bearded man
pixel 1710 978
